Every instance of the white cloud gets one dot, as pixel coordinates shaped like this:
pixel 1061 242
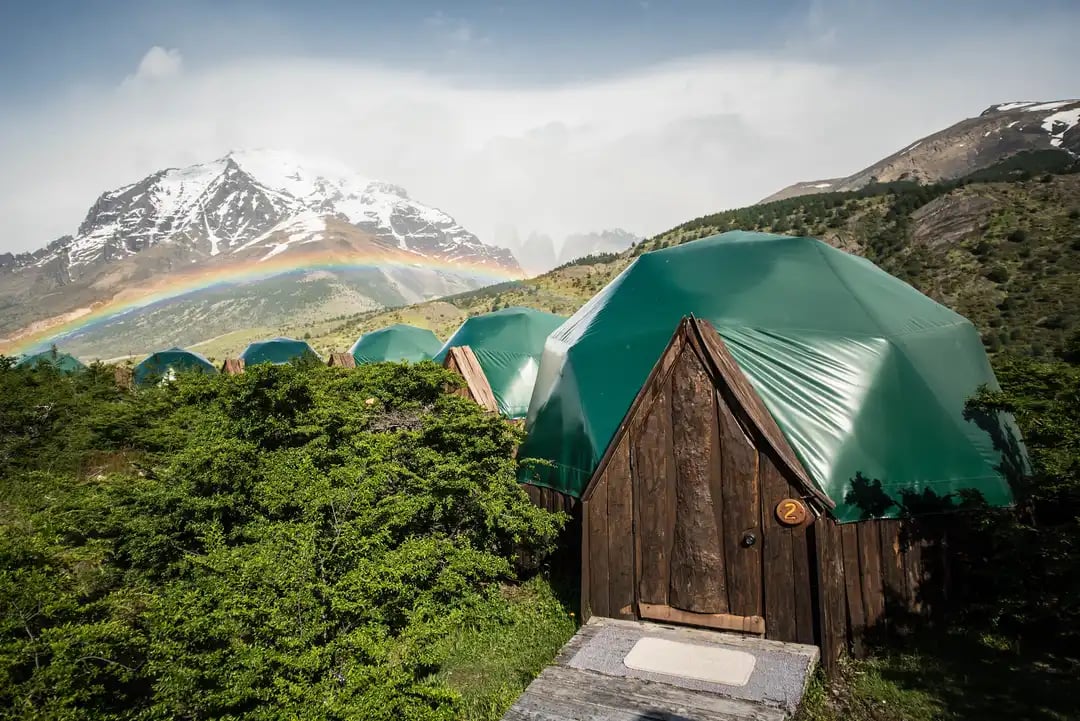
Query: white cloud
pixel 644 151
pixel 158 63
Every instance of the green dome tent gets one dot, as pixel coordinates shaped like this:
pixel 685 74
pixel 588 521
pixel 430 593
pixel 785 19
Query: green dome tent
pixel 865 376
pixel 167 363
pixel 396 343
pixel 277 351
pixel 507 344
pixel 52 357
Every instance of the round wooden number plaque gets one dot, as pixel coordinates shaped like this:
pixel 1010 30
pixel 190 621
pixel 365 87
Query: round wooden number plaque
pixel 791 512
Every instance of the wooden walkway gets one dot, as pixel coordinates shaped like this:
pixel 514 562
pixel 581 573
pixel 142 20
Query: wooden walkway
pixel 562 691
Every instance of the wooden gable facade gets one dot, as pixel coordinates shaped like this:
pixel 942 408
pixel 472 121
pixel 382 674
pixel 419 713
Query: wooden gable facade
pixel 462 361
pixel 700 513
pixel 341 360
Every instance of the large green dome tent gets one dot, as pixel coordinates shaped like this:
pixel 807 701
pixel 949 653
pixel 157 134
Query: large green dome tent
pixel 395 343
pixel 277 351
pixel 167 363
pixel 60 361
pixel 507 344
pixel 865 376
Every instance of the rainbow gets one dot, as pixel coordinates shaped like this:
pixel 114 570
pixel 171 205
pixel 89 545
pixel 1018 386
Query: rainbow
pixel 177 285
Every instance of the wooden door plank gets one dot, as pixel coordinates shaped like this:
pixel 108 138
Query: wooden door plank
pixel 873 586
pixel 892 566
pixel 740 500
pixel 778 577
pixel 856 611
pixel 586 565
pixel 598 549
pixel 654 474
pixel 697 560
pixel 801 564
pixel 620 533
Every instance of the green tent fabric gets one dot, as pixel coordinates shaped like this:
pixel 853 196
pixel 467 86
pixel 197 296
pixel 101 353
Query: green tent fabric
pixel 277 351
pixel 61 361
pixel 865 376
pixel 396 343
pixel 166 363
pixel 507 344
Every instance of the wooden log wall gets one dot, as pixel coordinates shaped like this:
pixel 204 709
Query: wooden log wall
pixel 873 577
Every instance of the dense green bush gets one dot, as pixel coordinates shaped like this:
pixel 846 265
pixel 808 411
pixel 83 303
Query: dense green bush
pixel 292 542
pixel 1022 571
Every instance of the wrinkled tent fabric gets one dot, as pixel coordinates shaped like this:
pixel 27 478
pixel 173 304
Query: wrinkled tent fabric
pixel 277 351
pixel 167 363
pixel 866 377
pixel 60 361
pixel 508 344
pixel 396 343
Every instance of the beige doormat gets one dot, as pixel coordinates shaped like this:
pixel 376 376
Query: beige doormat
pixel 689 660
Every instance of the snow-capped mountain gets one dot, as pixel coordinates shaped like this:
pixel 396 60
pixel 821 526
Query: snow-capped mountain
pixel 998 133
pixel 234 201
pixel 339 243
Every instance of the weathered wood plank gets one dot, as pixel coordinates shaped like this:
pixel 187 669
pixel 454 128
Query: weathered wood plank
pixel 913 574
pixel 463 361
pixel 697 559
pixel 563 693
pixel 856 611
pixel 586 563
pixel 233 366
pixel 873 586
pixel 654 496
pixel 801 563
pixel 737 388
pixel 832 595
pixel 741 503
pixel 533 492
pixel 598 550
pixel 892 566
pixel 722 621
pixel 341 360
pixel 620 531
pixel 779 590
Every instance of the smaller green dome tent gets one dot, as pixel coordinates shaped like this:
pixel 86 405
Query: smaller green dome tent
pixel 508 344
pixel 395 343
pixel 60 361
pixel 167 363
pixel 277 351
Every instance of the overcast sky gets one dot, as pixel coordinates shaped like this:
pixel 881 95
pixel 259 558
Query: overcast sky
pixel 545 116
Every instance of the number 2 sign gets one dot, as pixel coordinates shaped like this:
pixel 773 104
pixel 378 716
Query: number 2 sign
pixel 791 512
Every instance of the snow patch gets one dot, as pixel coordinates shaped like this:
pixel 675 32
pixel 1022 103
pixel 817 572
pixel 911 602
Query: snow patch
pixel 1012 123
pixel 1014 105
pixel 1049 106
pixel 823 185
pixel 1066 119
pixel 909 148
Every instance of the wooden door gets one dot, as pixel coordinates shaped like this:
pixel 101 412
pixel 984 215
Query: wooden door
pixel 698 543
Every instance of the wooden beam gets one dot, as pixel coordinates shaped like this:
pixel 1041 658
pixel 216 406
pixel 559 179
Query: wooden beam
pixel 722 621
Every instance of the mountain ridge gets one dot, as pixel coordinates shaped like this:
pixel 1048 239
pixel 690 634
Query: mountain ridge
pixel 1001 131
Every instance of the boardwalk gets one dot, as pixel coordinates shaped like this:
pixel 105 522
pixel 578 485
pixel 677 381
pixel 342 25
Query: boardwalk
pixel 589 680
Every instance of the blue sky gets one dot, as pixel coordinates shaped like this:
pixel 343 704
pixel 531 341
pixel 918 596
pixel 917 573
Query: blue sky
pixel 553 116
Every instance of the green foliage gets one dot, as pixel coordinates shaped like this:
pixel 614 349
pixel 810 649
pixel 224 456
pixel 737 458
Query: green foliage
pixel 292 542
pixel 1022 577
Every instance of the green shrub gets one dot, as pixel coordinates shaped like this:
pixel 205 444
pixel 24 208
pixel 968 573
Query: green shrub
pixel 1017 236
pixel 292 542
pixel 998 274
